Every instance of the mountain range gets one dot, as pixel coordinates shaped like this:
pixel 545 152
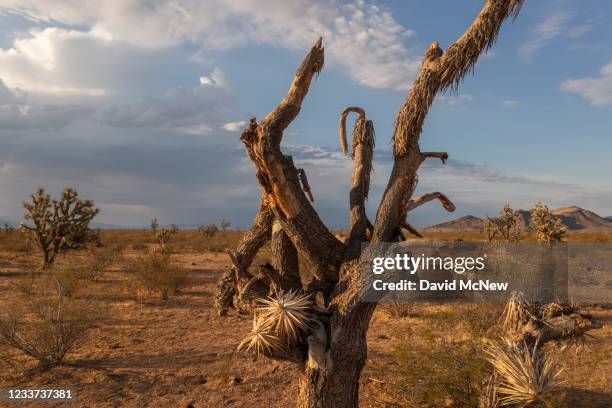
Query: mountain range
pixel 574 218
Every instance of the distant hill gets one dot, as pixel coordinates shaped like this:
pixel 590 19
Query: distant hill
pixel 574 218
pixel 465 223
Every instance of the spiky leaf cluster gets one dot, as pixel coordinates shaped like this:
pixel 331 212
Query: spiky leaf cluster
pixel 279 320
pixel 524 375
pixel 60 224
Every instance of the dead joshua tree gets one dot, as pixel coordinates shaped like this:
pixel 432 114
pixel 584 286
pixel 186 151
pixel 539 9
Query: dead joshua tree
pixel 332 351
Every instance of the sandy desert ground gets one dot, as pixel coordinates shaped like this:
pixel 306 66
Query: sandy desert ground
pixel 179 353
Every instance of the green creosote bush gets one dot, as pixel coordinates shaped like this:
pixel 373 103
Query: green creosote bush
pixel 154 273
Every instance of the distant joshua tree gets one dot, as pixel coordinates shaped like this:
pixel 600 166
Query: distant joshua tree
pixel 60 224
pixel 548 228
pixel 224 224
pixel 163 235
pixel 8 228
pixel 209 230
pixel 506 225
pixel 154 225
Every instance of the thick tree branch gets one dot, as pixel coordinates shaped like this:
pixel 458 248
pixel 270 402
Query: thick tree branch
pixel 362 153
pixel 411 229
pixel 425 198
pixel 279 179
pixel 342 125
pixel 438 155
pixel 243 256
pixel 460 57
pixel 285 259
pixel 439 70
pixel 305 184
pixel 557 328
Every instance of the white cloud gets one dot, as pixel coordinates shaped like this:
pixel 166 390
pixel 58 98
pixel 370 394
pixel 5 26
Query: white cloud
pixel 6 169
pixel 55 61
pixel 550 28
pixel 197 130
pixel 509 103
pixel 217 79
pixel 17 112
pixel 598 90
pixel 363 39
pixel 190 109
pixel 453 100
pixel 234 126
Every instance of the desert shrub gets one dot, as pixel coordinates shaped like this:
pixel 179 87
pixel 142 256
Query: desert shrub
pixel 60 224
pixel 47 329
pixel 155 273
pixel 68 279
pixel 139 246
pixel 100 259
pixel 547 227
pixel 438 371
pixel 397 309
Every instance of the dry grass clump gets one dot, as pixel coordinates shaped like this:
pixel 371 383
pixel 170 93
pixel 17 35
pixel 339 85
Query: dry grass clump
pixel 46 329
pixel 525 375
pixel 155 273
pixel 398 309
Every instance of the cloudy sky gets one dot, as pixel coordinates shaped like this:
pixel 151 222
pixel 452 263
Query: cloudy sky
pixel 139 104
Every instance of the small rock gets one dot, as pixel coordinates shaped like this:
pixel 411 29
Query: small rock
pixel 115 346
pixel 235 381
pixel 383 337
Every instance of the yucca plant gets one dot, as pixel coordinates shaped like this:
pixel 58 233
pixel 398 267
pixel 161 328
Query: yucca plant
pixel 525 374
pixel 262 338
pixel 516 313
pixel 287 313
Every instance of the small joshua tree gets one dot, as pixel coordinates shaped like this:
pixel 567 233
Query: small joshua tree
pixel 208 231
pixel 8 228
pixel 154 225
pixel 224 224
pixel 547 228
pixel 60 224
pixel 164 235
pixel 506 225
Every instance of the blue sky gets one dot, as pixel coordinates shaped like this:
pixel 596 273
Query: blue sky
pixel 139 104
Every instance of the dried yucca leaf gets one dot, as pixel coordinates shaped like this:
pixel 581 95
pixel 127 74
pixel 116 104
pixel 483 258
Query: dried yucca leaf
pixel 516 313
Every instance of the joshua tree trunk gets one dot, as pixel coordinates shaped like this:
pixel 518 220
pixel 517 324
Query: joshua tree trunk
pixel 333 354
